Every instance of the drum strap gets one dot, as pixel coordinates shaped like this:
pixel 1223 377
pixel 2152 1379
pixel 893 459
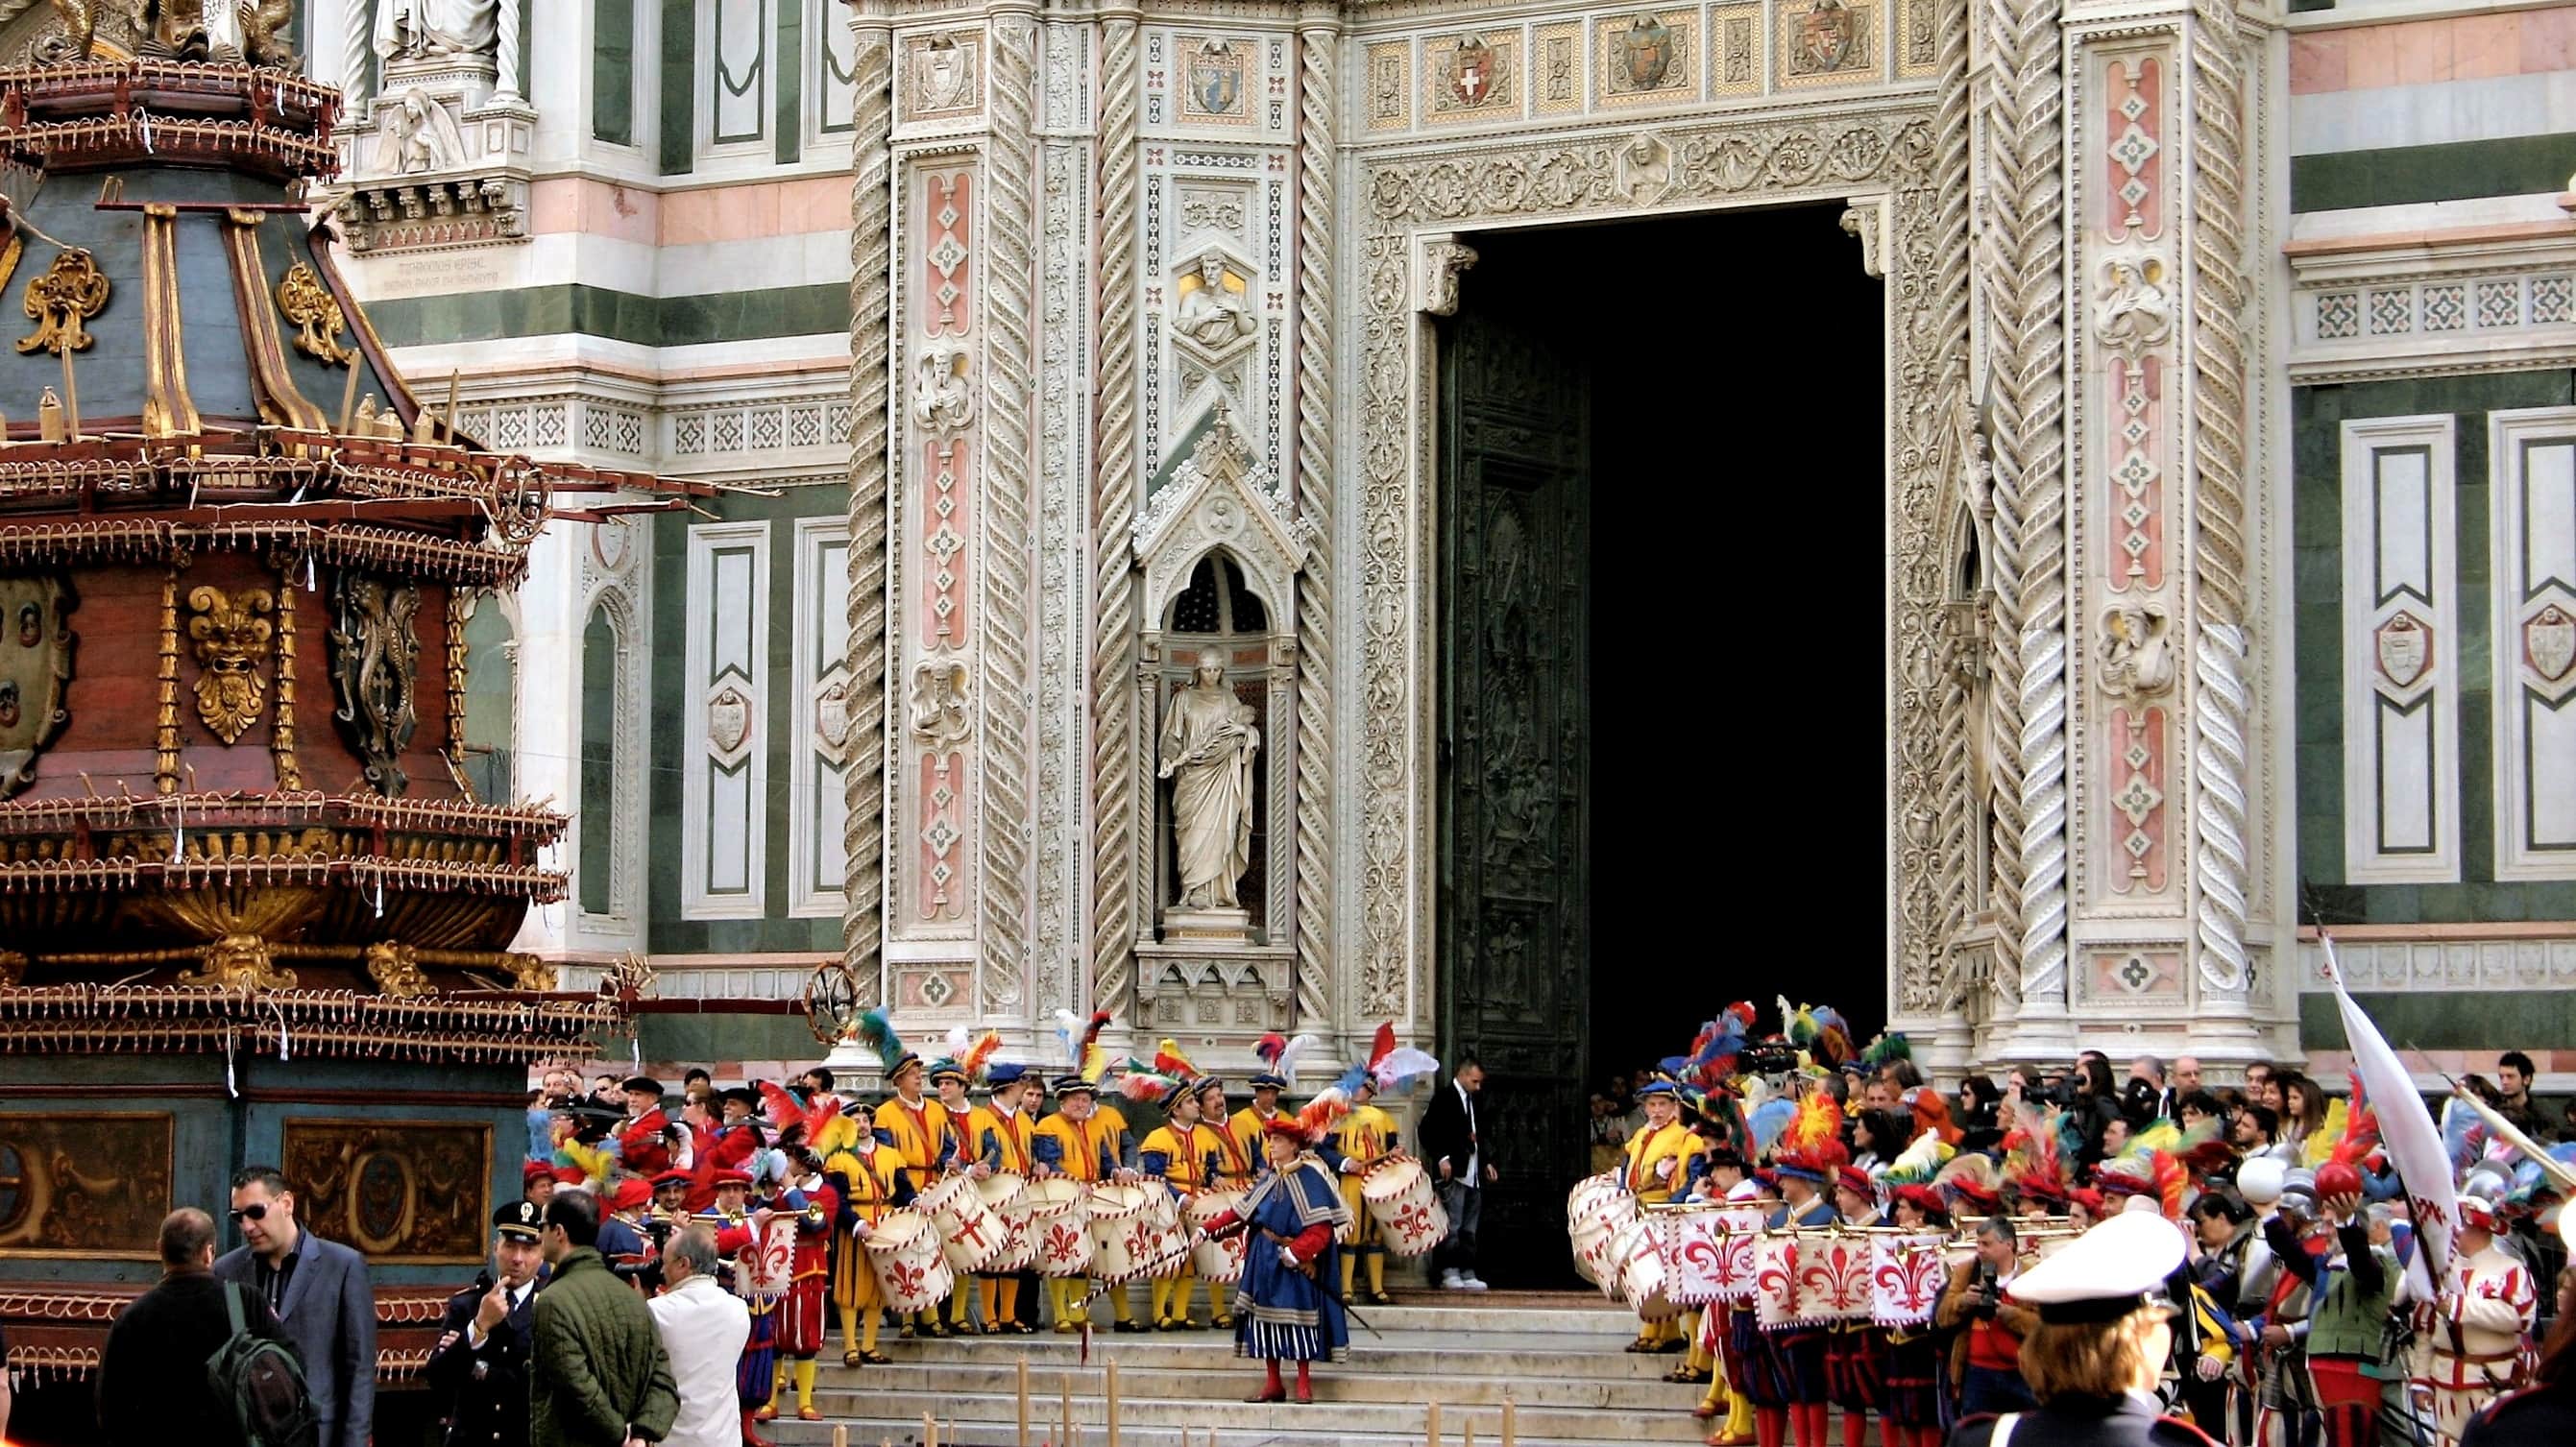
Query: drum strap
pixel 2002 1435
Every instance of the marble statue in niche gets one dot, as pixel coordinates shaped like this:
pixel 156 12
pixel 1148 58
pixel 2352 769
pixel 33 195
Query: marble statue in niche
pixel 412 28
pixel 1213 312
pixel 1207 748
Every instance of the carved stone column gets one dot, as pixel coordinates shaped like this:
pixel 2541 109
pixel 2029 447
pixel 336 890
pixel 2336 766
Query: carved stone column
pixel 1118 818
pixel 1318 105
pixel 871 537
pixel 505 88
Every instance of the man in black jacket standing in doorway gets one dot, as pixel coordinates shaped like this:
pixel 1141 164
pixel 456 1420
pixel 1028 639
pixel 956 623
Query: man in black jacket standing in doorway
pixel 1450 1147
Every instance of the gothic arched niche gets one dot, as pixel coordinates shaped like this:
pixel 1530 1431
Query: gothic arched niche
pixel 1217 621
pixel 600 647
pixel 491 698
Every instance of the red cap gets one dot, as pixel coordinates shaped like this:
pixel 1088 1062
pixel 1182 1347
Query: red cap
pixel 2091 1200
pixel 674 1178
pixel 630 1193
pixel 2480 1214
pixel 1925 1199
pixel 1853 1178
pixel 733 1178
pixel 570 1175
pixel 1284 1124
pixel 535 1171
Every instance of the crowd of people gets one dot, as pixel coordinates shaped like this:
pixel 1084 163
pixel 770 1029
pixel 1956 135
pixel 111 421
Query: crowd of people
pixel 2295 1317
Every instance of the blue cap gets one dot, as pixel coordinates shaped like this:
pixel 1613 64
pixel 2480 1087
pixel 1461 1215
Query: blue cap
pixel 1003 1073
pixel 1264 1080
pixel 1658 1087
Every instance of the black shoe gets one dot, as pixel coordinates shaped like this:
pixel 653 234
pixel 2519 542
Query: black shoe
pixel 1380 1298
pixel 903 1332
pixel 1125 1326
pixel 1671 1346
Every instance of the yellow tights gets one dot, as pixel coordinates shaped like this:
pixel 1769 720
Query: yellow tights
pixel 859 1327
pixel 1001 1296
pixel 1172 1295
pixel 1376 1271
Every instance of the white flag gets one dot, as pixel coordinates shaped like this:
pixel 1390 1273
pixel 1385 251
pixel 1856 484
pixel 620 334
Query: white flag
pixel 2413 1140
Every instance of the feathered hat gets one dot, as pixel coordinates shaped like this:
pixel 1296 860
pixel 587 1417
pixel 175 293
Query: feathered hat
pixel 1811 1149
pixel 1969 1179
pixel 2036 1159
pixel 877 1033
pixel 2340 1172
pixel 1279 1056
pixel 1082 1047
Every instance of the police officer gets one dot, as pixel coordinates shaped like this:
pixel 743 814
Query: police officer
pixel 2103 1337
pixel 481 1361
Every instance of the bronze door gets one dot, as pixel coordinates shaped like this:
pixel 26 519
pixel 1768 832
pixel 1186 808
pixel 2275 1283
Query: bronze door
pixel 1514 925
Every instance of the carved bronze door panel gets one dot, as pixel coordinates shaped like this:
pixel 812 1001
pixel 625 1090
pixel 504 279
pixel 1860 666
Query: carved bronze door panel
pixel 1514 925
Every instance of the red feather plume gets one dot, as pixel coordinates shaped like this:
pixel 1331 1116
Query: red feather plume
pixel 1380 1047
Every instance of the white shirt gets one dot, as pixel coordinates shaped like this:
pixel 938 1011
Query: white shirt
pixel 703 1327
pixel 1473 1175
pixel 518 1297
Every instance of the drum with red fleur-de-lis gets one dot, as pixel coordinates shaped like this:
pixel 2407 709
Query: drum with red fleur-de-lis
pixel 1059 1226
pixel 1399 1194
pixel 904 1252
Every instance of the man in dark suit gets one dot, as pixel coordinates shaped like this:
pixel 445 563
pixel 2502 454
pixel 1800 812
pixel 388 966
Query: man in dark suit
pixel 1451 1148
pixel 145 1397
pixel 480 1364
pixel 320 1293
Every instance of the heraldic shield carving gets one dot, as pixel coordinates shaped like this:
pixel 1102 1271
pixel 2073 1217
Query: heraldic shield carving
pixel 36 643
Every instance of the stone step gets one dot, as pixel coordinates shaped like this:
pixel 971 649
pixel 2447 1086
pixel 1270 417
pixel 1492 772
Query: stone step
pixel 1417 1352
pixel 1568 1313
pixel 991 1417
pixel 1480 1381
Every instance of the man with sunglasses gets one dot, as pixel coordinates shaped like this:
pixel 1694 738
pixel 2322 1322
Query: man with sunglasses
pixel 320 1293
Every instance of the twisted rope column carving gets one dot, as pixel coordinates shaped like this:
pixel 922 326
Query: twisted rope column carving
pixel 1114 814
pixel 1317 52
pixel 2028 701
pixel 1948 230
pixel 871 296
pixel 1008 472
pixel 2221 704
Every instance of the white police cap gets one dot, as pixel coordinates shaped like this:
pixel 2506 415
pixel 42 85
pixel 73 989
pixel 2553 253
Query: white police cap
pixel 2106 1273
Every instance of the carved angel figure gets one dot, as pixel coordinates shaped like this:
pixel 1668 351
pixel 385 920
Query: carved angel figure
pixel 941 399
pixel 2132 311
pixel 418 134
pixel 2137 657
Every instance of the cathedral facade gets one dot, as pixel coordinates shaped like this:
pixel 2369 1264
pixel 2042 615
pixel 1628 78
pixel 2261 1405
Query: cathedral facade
pixel 1068 359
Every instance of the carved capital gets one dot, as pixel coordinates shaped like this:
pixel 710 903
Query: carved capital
pixel 1440 260
pixel 1868 221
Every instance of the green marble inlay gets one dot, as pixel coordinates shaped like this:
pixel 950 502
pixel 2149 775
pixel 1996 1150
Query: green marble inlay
pixel 679 86
pixel 2316 527
pixel 2450 1020
pixel 789 58
pixel 671 321
pixel 612 70
pixel 2453 171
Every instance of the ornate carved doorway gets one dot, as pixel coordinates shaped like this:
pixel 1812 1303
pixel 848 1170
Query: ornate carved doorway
pixel 1675 506
pixel 1515 896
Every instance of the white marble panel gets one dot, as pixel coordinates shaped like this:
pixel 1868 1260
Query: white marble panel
pixel 2401 685
pixel 2532 457
pixel 725 685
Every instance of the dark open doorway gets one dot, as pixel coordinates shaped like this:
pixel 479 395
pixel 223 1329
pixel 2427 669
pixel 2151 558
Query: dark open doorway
pixel 1662 726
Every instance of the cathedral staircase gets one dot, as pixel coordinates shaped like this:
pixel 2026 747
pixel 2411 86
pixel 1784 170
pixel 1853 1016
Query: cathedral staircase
pixel 1557 1356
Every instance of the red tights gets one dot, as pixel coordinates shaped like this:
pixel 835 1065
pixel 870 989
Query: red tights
pixel 1305 1379
pixel 1771 1425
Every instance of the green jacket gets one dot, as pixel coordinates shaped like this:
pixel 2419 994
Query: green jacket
pixel 598 1367
pixel 2350 1317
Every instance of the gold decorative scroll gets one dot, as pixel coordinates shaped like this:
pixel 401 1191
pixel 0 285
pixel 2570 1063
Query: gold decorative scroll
pixel 271 381
pixel 81 1183
pixel 399 1191
pixel 303 300
pixel 281 737
pixel 231 635
pixel 70 292
pixel 168 410
pixel 165 754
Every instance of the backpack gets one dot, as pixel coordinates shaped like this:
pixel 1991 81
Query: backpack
pixel 264 1383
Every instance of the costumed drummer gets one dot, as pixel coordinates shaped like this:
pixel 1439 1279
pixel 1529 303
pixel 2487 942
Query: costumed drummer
pixel 1855 1350
pixel 2101 1342
pixel 871 1178
pixel 950 1076
pixel 1000 1132
pixel 917 1128
pixel 1790 1380
pixel 1365 1137
pixel 755 1377
pixel 1283 1309
pixel 1658 1166
pixel 1082 1142
pixel 1184 1154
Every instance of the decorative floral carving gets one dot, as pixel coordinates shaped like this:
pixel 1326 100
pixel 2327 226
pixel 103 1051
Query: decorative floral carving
pixel 231 636
pixel 375 665
pixel 1443 260
pixel 69 293
pixel 303 300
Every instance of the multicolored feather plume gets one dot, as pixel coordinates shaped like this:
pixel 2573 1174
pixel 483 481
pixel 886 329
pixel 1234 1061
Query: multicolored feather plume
pixel 1918 1163
pixel 877 1033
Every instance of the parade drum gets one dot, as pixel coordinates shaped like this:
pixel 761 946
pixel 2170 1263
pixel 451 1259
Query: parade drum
pixel 1400 1196
pixel 1592 1232
pixel 969 1235
pixel 1006 1195
pixel 1059 1226
pixel 1217 1261
pixel 904 1252
pixel 1590 1193
pixel 1128 1238
pixel 1642 1280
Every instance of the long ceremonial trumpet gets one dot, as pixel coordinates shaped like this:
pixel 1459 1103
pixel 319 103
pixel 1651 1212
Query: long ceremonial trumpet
pixel 2559 1172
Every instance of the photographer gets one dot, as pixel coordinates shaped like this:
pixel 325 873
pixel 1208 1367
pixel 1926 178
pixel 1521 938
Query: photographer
pixel 1985 1357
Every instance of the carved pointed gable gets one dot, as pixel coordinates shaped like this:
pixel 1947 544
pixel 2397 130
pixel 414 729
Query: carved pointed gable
pixel 1218 498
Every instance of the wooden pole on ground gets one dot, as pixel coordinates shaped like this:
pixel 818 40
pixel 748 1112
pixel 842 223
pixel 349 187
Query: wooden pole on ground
pixel 841 1437
pixel 929 1431
pixel 1433 1416
pixel 1110 1400
pixel 1067 1438
pixel 1511 1437
pixel 1024 1402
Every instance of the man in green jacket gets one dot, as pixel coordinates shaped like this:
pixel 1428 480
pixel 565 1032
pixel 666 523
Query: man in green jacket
pixel 600 1378
pixel 2353 1289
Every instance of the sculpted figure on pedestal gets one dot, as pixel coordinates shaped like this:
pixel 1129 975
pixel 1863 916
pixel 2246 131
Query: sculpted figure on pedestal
pixel 1207 748
pixel 2137 659
pixel 410 28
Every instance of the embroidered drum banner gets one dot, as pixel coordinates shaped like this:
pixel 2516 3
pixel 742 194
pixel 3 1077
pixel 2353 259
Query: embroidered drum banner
pixel 1778 1299
pixel 1833 1276
pixel 1906 1276
pixel 1712 1253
